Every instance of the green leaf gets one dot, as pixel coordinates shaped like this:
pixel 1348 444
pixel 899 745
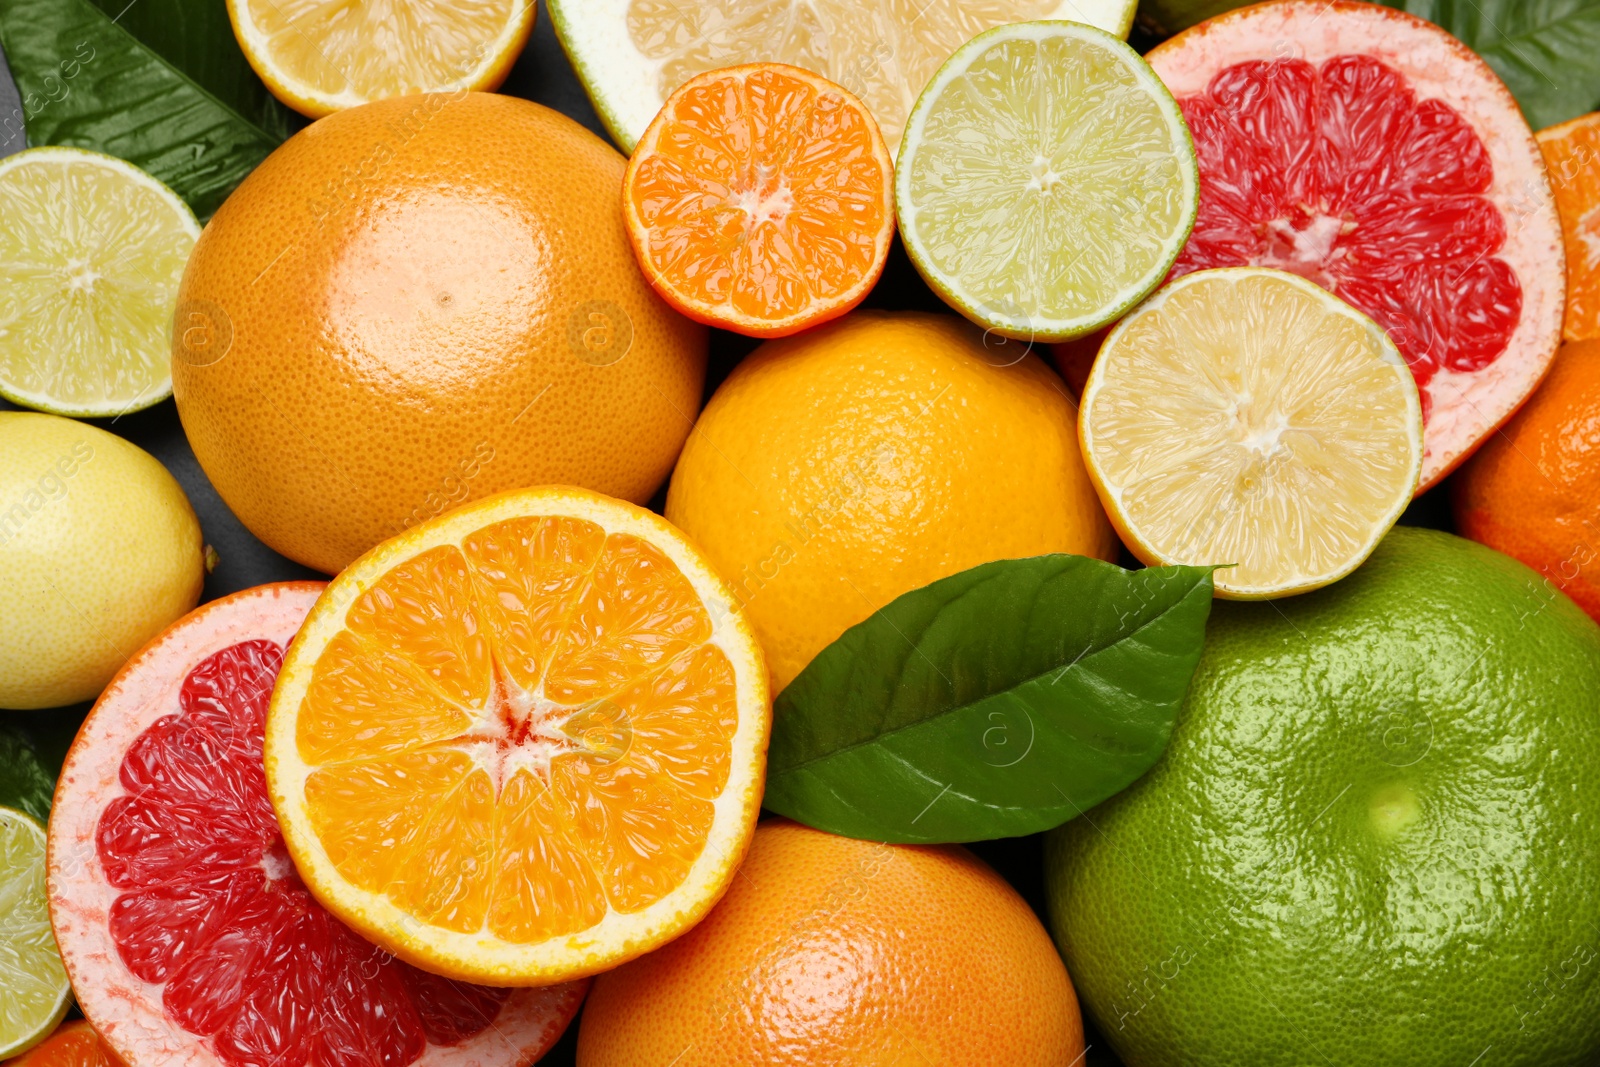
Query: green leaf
pixel 1001 701
pixel 26 784
pixel 1547 51
pixel 160 83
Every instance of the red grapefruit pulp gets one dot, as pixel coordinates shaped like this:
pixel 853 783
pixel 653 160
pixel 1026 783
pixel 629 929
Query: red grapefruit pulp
pixel 189 938
pixel 1373 153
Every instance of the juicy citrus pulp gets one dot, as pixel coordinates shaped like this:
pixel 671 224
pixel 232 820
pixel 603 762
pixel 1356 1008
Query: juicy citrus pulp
pixel 1572 153
pixel 319 56
pixel 1248 417
pixel 1046 181
pixel 632 54
pixel 31 974
pixel 523 741
pixel 190 939
pixel 1371 152
pixel 759 200
pixel 90 258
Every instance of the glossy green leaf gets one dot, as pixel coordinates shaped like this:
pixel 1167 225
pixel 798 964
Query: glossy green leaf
pixel 1000 701
pixel 26 784
pixel 1548 51
pixel 160 83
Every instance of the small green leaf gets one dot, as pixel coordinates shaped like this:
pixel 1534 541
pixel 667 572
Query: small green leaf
pixel 160 83
pixel 1547 51
pixel 26 784
pixel 1000 701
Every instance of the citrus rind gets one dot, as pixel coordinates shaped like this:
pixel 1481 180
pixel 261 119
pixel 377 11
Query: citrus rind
pixel 53 358
pixel 481 957
pixel 1264 498
pixel 1003 229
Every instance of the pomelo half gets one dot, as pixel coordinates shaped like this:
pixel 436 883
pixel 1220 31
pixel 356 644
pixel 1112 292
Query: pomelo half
pixel 1376 155
pixel 189 938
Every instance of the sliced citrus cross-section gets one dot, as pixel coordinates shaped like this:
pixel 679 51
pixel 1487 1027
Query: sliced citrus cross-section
pixel 321 56
pixel 31 974
pixel 524 741
pixel 1572 155
pixel 190 939
pixel 1046 181
pixel 759 200
pixel 1249 419
pixel 632 54
pixel 73 1044
pixel 90 257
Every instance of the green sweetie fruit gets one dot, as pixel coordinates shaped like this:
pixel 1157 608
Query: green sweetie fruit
pixel 1372 839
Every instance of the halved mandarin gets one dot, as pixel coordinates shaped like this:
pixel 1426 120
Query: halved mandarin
pixel 73 1044
pixel 760 200
pixel 1571 151
pixel 522 742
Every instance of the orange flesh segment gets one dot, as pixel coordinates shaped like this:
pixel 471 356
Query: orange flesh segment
pixel 514 735
pixel 763 194
pixel 1570 151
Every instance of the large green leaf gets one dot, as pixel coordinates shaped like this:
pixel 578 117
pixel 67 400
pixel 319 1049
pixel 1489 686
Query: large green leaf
pixel 160 83
pixel 1548 51
pixel 25 782
pixel 1001 701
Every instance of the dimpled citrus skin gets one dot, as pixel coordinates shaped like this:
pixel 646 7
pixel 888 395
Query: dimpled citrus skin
pixel 419 302
pixel 1371 840
pixel 1533 490
pixel 835 470
pixel 99 551
pixel 831 951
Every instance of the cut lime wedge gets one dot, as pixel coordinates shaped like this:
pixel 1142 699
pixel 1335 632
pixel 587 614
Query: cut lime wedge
pixel 32 978
pixel 1046 180
pixel 632 54
pixel 90 256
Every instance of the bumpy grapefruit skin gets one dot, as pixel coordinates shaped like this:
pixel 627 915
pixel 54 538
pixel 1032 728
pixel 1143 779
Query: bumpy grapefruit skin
pixel 1466 407
pixel 126 1011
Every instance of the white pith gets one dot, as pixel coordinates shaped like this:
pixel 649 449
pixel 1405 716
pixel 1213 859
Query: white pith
pixel 624 82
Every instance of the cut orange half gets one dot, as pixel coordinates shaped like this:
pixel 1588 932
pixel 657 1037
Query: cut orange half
pixel 1249 419
pixel 321 56
pixel 522 742
pixel 1572 155
pixel 760 200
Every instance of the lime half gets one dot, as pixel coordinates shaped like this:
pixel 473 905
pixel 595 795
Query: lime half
pixel 632 54
pixel 1046 180
pixel 31 975
pixel 90 257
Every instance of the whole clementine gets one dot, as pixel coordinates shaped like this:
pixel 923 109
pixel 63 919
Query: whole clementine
pixel 416 303
pixel 1533 490
pixel 828 950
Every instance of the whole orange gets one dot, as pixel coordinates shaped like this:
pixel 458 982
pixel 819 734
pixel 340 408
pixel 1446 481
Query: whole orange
pixel 418 302
pixel 1533 489
pixel 832 951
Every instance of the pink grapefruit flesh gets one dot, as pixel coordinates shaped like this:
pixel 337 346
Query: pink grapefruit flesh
pixel 189 938
pixel 1371 152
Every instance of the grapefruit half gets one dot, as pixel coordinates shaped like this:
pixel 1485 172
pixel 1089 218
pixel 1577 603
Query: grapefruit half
pixel 189 938
pixel 1371 152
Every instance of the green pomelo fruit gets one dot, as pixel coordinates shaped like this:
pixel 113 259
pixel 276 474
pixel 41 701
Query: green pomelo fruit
pixel 1372 840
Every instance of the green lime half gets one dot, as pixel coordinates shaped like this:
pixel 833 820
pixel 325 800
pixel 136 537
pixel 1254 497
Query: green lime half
pixel 36 991
pixel 90 257
pixel 1046 180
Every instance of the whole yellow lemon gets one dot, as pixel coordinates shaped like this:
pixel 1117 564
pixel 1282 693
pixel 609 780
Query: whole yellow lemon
pixel 99 552
pixel 837 469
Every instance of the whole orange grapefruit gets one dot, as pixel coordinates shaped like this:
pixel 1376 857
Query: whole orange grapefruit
pixel 828 950
pixel 418 302
pixel 1533 489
